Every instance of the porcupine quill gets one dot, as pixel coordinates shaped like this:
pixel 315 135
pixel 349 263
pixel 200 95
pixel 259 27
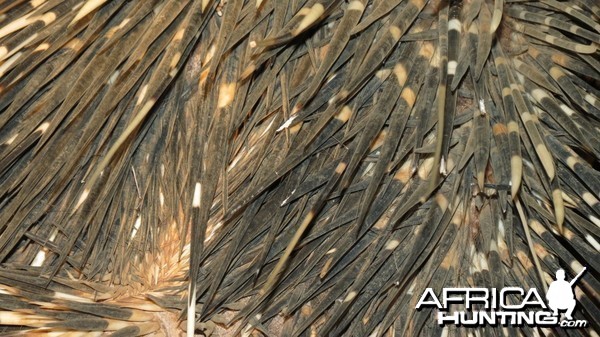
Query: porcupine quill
pixel 287 168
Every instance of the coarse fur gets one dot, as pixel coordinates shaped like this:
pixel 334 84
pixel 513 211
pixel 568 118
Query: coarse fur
pixel 292 168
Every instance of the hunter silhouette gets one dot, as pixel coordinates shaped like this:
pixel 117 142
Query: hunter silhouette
pixel 560 294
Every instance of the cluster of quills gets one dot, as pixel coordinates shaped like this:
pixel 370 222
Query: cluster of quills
pixel 293 168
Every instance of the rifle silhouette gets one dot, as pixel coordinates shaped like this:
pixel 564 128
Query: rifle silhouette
pixel 577 277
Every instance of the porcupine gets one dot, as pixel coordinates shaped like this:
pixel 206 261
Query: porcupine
pixel 292 168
